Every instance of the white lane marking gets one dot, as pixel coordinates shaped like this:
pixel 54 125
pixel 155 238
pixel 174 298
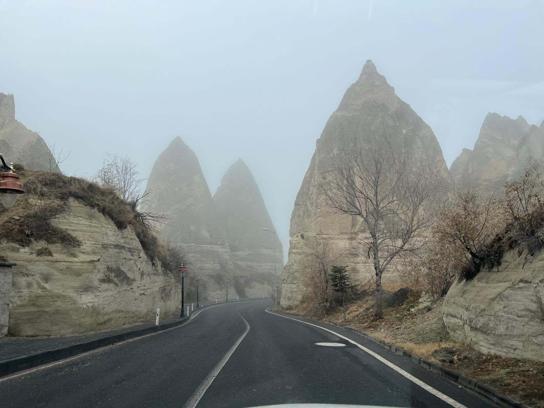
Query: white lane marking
pixel 203 387
pixel 388 363
pixel 87 353
pixel 325 344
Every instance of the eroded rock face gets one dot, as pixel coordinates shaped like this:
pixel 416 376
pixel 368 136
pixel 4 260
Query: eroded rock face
pixel 255 247
pixel 501 311
pixel 20 145
pixel 369 104
pixel 107 282
pixel 502 152
pixel 178 191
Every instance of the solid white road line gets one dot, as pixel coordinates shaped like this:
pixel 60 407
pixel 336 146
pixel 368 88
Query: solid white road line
pixel 87 353
pixel 203 387
pixel 388 363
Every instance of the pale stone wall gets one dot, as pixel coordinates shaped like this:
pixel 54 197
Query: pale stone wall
pixel 106 283
pixel 501 311
pixel 5 293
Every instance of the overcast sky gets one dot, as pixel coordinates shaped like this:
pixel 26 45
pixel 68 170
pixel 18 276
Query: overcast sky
pixel 258 79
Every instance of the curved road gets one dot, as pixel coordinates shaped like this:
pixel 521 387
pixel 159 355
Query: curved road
pixel 236 355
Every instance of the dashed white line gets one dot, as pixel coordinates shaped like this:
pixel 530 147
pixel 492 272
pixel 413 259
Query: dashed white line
pixel 203 387
pixel 388 363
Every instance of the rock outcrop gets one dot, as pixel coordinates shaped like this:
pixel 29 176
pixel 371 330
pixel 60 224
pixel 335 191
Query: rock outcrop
pixel 501 311
pixel 78 270
pixel 502 152
pixel 20 145
pixel 369 104
pixel 255 247
pixel 177 191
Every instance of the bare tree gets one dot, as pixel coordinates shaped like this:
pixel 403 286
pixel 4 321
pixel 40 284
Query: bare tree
pixel 379 184
pixel 525 195
pixel 121 175
pixel 440 264
pixel 321 258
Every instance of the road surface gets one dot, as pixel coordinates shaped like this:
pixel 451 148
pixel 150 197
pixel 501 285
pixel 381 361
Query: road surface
pixel 236 355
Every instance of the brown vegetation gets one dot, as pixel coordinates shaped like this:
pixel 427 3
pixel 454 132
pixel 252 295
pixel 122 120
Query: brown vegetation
pixel 478 231
pixel 317 279
pixel 47 196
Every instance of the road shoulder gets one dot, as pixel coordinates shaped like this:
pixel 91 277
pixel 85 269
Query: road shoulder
pixel 448 381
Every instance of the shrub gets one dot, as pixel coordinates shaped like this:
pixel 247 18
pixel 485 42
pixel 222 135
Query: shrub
pixel 340 282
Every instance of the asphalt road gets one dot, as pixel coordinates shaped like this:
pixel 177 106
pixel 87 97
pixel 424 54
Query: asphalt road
pixel 236 355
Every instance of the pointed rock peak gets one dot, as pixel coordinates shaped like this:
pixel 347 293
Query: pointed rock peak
pixel 369 68
pixel 492 117
pixel 239 166
pixel 238 172
pixel 370 87
pixel 7 108
pixel 371 76
pixel 179 159
pixel 177 143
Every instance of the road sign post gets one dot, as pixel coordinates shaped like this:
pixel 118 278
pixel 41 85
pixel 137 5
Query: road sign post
pixel 183 270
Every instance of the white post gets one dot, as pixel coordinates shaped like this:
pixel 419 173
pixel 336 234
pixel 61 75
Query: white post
pixel 192 307
pixel 188 310
pixel 158 316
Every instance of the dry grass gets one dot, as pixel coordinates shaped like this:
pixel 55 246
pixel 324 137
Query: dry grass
pixel 30 220
pixel 520 379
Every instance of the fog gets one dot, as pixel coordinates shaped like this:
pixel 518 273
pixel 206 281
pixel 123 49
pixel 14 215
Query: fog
pixel 258 79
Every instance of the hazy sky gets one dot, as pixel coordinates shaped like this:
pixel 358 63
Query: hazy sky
pixel 258 79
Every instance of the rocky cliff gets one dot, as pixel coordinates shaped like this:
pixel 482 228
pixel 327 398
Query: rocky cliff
pixel 84 263
pixel 20 145
pixel 504 148
pixel 255 247
pixel 501 311
pixel 177 191
pixel 370 104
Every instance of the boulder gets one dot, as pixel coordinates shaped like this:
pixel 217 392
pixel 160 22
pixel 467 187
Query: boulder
pixel 501 311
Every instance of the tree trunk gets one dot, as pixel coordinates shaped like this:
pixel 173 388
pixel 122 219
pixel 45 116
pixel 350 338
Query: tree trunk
pixel 378 307
pixel 378 312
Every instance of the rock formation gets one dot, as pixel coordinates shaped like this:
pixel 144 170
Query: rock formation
pixel 77 270
pixel 501 311
pixel 502 152
pixel 255 247
pixel 369 104
pixel 20 145
pixel 179 193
